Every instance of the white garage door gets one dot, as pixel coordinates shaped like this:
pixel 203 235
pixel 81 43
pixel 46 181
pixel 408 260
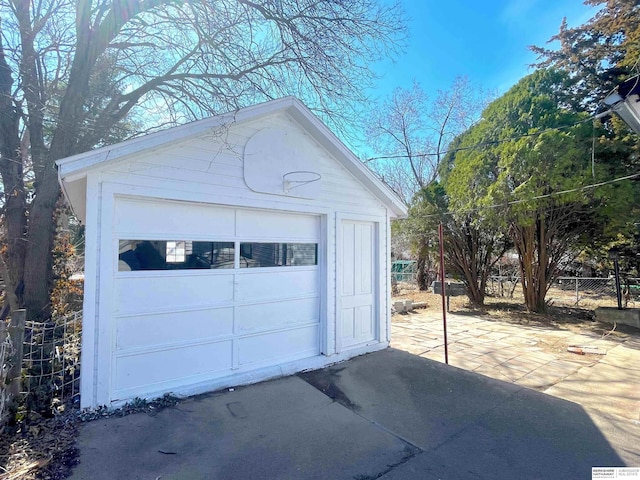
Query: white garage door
pixel 204 292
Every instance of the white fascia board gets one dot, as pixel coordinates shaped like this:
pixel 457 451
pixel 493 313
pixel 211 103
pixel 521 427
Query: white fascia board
pixel 76 194
pixel 339 150
pixel 76 166
pixel 613 99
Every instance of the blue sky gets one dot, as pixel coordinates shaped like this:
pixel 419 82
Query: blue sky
pixel 486 40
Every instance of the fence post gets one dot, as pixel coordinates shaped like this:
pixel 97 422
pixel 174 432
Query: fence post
pixel 577 293
pixel 16 331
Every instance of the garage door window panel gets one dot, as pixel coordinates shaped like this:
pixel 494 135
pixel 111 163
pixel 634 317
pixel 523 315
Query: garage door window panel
pixel 256 255
pixel 174 255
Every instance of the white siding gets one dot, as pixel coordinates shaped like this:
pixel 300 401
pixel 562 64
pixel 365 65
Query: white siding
pixel 208 169
pixel 159 331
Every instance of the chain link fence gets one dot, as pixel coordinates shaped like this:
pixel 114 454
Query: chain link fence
pixel 585 292
pixel 51 363
pixel 404 270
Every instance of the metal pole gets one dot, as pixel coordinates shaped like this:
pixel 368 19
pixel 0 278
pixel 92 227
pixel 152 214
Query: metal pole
pixel 577 293
pixel 444 308
pixel 616 270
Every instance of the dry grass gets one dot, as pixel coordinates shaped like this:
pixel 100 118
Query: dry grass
pixel 510 310
pixel 39 448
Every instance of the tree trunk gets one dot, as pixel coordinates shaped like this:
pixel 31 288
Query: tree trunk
pixel 14 193
pixel 476 295
pixel 422 273
pixel 38 273
pixel 470 256
pixel 424 270
pixel 527 240
pixel 543 258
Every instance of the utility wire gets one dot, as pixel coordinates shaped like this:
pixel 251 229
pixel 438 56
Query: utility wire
pixel 417 233
pixel 487 143
pixel 538 197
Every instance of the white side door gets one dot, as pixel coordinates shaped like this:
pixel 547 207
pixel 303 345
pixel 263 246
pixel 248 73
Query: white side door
pixel 356 283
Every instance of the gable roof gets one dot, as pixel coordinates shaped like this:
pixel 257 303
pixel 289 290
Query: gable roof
pixel 72 171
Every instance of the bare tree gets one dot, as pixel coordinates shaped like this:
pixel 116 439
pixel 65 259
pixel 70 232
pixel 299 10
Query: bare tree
pixel 77 74
pixel 398 131
pixel 410 134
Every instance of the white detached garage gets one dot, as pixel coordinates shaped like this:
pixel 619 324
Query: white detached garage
pixel 228 251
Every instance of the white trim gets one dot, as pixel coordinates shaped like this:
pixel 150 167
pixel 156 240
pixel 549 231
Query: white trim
pixel 106 327
pixel 323 287
pixel 338 287
pixel 378 260
pixel 330 283
pixel 77 166
pixel 387 268
pixel 88 364
pixel 252 376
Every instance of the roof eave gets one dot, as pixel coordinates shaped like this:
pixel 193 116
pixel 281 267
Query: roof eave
pixel 339 150
pixel 76 167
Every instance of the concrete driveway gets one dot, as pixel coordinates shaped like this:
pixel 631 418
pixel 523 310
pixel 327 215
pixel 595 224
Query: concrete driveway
pixel 387 415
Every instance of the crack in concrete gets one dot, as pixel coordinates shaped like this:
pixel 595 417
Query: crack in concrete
pixel 409 453
pixel 324 381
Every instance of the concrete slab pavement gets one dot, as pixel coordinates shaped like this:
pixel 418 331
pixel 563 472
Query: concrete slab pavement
pixel 388 415
pixel 283 429
pixel 534 356
pixel 472 426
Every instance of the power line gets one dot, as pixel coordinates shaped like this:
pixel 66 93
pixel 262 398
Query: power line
pixel 487 143
pixel 538 197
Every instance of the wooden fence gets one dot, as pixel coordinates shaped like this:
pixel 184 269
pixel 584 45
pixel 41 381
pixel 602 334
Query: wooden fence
pixel 11 349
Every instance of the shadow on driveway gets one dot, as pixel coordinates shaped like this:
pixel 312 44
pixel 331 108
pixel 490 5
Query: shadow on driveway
pixel 470 426
pixel 387 415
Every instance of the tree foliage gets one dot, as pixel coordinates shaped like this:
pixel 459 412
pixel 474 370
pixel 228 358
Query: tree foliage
pixel 421 226
pixel 471 247
pixel 535 147
pixel 598 55
pixel 79 74
pixel 524 170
